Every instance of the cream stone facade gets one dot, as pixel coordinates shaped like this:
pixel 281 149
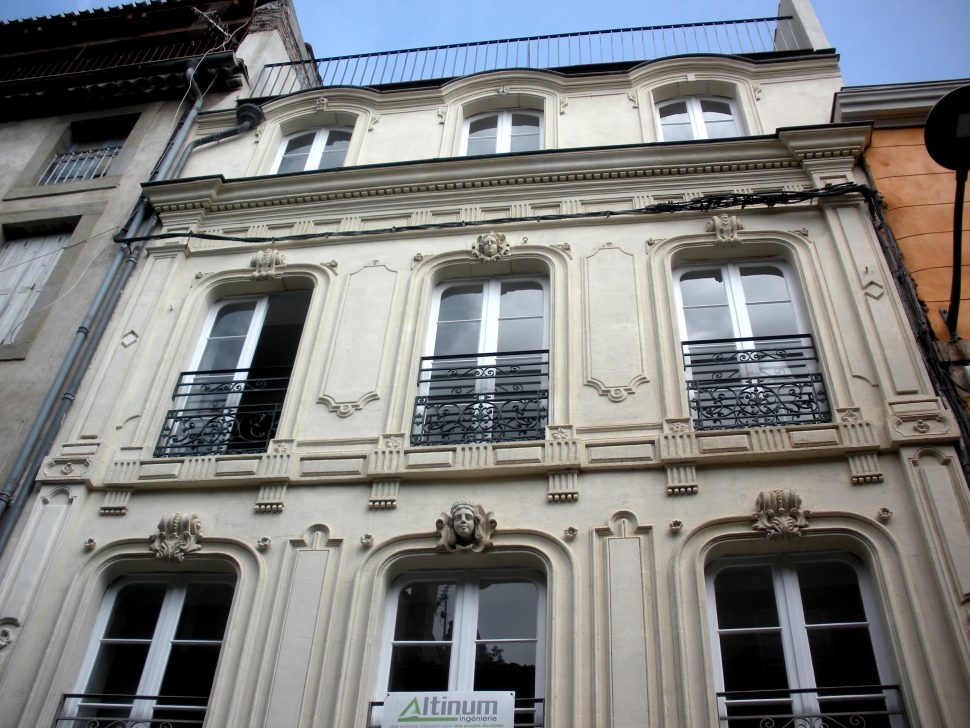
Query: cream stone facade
pixel 600 502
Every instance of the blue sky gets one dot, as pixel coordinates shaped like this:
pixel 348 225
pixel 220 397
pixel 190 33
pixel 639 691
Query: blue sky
pixel 880 41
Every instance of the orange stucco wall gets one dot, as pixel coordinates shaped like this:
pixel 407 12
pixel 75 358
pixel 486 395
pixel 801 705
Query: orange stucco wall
pixel 919 206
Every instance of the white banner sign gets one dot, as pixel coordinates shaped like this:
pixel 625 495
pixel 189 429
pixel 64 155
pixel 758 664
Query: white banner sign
pixel 461 709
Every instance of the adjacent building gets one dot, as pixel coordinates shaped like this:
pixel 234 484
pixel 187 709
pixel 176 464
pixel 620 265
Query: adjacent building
pixel 568 367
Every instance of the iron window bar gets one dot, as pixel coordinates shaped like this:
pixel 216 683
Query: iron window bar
pixel 847 706
pixel 225 411
pixel 724 37
pixel 481 397
pixel 79 165
pixel 528 713
pixel 756 381
pixel 112 710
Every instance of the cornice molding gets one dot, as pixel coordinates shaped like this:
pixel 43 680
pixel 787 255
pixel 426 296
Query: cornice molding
pixel 788 150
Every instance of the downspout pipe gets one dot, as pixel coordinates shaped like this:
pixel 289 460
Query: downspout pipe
pixel 45 427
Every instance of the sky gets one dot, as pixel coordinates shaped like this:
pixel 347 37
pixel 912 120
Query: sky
pixel 879 41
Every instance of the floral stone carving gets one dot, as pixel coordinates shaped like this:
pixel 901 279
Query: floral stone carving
pixel 780 514
pixel 491 246
pixel 467 527
pixel 177 536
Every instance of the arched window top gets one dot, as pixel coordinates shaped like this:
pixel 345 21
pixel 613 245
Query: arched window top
pixel 323 148
pixel 502 131
pixel 698 117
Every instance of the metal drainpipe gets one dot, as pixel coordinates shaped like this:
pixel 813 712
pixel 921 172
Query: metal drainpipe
pixel 13 497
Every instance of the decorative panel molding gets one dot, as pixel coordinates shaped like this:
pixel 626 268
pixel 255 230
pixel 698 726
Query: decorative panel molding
pixel 352 374
pixel 614 359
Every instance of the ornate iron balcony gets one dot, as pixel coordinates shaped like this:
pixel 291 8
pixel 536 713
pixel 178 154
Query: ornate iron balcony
pixel 80 165
pixel 528 713
pixel 757 381
pixel 598 47
pixel 851 706
pixel 493 397
pixel 98 710
pixel 228 411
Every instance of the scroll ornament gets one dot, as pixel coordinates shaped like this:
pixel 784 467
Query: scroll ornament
pixel 177 536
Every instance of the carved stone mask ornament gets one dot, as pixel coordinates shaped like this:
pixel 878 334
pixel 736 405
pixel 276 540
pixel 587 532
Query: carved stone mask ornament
pixel 491 246
pixel 466 527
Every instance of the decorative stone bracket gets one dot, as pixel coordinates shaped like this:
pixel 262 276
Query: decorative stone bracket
pixel 177 536
pixel 779 514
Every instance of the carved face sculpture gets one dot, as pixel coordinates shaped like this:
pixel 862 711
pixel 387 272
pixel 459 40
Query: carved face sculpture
pixel 489 246
pixel 463 523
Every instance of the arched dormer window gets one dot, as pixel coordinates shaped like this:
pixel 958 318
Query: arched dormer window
pixel 506 130
pixel 698 117
pixel 324 148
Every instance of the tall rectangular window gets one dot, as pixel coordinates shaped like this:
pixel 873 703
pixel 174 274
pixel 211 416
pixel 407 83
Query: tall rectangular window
pixel 231 401
pixel 153 660
pixel 797 643
pixel 468 631
pixel 749 358
pixel 485 377
pixel 25 264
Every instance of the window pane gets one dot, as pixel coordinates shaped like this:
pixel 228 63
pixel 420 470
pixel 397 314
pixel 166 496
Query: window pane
pixel 772 319
pixel 525 133
pixel 335 150
pixel 425 611
pixel 461 303
pixel 507 609
pixel 233 319
pixel 718 119
pixel 482 135
pixel 843 657
pixel 753 661
pixel 506 666
pixel 419 667
pixel 205 612
pixel 520 335
pixel 703 288
pixel 709 323
pixel 830 593
pixel 460 338
pixel 764 283
pixel 135 611
pixel 190 670
pixel 296 153
pixel 745 598
pixel 675 113
pixel 521 298
pixel 118 669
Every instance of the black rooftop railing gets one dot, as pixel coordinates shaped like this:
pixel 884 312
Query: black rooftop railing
pixel 564 50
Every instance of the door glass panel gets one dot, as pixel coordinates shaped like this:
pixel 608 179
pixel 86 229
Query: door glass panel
pixel 335 151
pixel 506 666
pixel 772 319
pixel 136 611
pixel 118 668
pixel 745 598
pixel 205 613
pixel 419 667
pixel 461 303
pixel 297 153
pixel 482 135
pixel 830 593
pixel 507 609
pixel 425 611
pixel 228 336
pixel 753 661
pixel 520 335
pixel 525 133
pixel 842 656
pixel 190 670
pixel 703 288
pixel 521 298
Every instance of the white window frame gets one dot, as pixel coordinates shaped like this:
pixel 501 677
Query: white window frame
pixel 26 263
pixel 156 661
pixel 461 668
pixel 696 115
pixel 794 630
pixel 503 131
pixel 321 136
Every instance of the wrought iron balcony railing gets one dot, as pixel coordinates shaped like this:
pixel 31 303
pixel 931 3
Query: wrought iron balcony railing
pixel 528 713
pixel 598 47
pixel 757 381
pixel 76 166
pixel 491 397
pixel 852 706
pixel 228 411
pixel 99 710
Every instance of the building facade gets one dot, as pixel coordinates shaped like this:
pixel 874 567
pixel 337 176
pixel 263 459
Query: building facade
pixel 589 383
